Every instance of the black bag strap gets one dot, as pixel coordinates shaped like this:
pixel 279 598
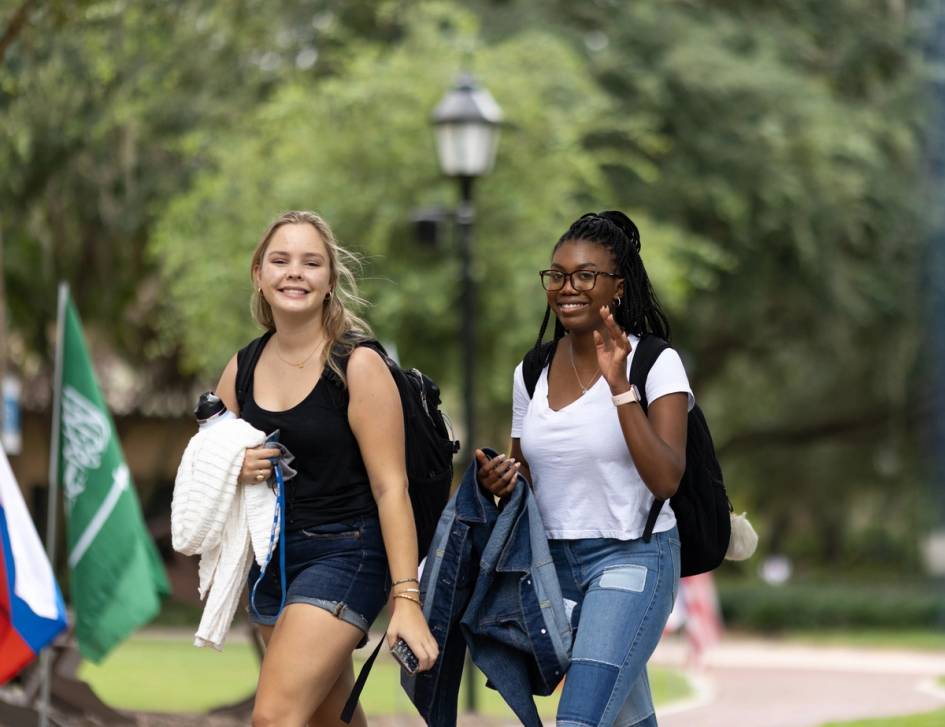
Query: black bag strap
pixel 341 353
pixel 246 360
pixel 534 362
pixel 648 350
pixel 348 712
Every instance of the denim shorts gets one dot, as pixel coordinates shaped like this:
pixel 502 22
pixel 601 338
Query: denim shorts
pixel 340 567
pixel 621 593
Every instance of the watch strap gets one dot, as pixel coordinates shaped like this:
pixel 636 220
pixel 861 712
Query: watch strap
pixel 632 395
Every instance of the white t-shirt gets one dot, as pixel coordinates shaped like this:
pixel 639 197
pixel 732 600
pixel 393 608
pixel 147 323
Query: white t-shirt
pixel 584 479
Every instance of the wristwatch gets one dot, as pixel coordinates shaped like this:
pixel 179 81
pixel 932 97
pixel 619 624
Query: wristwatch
pixel 627 397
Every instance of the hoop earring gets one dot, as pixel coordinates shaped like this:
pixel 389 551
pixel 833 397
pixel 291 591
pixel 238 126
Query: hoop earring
pixel 328 296
pixel 617 301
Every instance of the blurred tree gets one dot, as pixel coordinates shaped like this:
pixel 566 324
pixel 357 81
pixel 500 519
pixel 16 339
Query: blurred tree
pixel 106 109
pixel 771 153
pixel 358 148
pixel 791 136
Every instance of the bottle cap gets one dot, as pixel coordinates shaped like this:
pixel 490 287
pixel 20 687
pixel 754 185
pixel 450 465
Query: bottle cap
pixel 209 405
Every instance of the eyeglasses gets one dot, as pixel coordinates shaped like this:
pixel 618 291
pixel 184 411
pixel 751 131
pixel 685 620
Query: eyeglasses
pixel 581 280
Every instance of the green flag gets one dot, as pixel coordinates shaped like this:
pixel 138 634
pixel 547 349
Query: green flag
pixel 116 576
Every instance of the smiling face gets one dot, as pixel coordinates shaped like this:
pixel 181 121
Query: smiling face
pixel 579 310
pixel 294 272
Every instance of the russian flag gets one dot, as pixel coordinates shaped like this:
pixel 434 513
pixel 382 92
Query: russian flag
pixel 32 611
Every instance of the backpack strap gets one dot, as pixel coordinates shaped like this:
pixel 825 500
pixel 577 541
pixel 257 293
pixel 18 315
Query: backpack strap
pixel 648 350
pixel 340 356
pixel 347 712
pixel 534 362
pixel 246 360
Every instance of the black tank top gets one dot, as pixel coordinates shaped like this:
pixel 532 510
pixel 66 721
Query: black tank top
pixel 332 483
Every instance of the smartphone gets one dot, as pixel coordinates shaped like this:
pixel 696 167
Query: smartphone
pixel 405 657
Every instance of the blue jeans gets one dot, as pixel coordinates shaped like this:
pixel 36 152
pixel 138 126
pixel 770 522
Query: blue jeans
pixel 623 592
pixel 339 567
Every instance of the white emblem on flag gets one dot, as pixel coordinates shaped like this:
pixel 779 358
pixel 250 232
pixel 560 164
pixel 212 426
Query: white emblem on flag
pixel 121 478
pixel 86 433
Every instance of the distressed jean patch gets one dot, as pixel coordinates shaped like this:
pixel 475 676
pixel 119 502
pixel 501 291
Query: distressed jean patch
pixel 624 578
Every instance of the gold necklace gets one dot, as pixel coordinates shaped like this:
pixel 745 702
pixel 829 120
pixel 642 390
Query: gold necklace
pixel 301 363
pixel 574 368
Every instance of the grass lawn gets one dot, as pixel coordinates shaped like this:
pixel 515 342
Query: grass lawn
pixel 930 719
pixel 170 675
pixel 922 639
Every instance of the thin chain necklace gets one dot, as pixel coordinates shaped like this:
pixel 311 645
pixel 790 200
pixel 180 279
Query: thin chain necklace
pixel 574 368
pixel 300 364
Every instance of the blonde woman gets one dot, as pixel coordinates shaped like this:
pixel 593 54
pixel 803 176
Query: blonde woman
pixel 349 530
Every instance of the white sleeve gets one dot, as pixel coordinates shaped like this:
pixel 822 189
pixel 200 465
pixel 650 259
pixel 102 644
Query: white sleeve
pixel 668 377
pixel 520 402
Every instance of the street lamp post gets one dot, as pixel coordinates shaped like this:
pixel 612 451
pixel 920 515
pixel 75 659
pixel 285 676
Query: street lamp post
pixel 467 124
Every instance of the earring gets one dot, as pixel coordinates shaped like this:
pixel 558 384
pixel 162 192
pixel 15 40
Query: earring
pixel 617 301
pixel 259 290
pixel 328 295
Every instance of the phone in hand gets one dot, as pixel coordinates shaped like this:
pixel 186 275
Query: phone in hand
pixel 405 656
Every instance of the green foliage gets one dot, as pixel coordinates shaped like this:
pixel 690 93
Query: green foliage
pixel 813 606
pixel 772 155
pixel 791 136
pixel 357 147
pixel 106 107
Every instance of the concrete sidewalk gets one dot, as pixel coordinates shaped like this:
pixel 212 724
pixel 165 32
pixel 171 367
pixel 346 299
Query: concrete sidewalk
pixel 768 683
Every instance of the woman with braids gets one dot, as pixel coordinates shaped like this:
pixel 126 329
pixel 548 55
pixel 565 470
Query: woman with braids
pixel 349 527
pixel 596 462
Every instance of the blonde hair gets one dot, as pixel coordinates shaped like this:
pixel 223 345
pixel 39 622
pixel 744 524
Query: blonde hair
pixel 342 327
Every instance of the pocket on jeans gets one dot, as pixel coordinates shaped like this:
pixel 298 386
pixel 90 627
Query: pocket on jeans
pixel 335 531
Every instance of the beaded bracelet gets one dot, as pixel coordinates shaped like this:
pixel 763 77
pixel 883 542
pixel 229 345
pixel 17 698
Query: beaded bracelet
pixel 405 580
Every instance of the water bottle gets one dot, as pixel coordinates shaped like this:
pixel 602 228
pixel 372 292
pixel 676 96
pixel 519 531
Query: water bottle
pixel 210 410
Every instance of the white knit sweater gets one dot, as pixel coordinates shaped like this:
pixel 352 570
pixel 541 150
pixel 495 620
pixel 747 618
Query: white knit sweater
pixel 224 522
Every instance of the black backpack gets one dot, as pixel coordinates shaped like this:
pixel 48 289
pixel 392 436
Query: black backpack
pixel 429 447
pixel 701 505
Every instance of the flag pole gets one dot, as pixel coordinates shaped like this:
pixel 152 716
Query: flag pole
pixel 52 503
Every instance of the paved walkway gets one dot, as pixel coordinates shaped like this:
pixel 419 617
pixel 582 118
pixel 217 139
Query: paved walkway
pixel 760 683
pixel 772 684
pixel 749 683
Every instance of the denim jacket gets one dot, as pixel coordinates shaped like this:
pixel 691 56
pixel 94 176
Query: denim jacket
pixel 489 583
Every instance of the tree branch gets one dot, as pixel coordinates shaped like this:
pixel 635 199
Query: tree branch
pixel 15 26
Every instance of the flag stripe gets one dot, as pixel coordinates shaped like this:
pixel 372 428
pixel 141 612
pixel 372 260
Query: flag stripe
pixel 32 612
pixel 119 485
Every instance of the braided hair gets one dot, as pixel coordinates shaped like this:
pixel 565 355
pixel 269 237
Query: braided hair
pixel 638 311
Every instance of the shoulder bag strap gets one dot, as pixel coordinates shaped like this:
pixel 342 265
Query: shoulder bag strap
pixel 246 361
pixel 648 350
pixel 533 363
